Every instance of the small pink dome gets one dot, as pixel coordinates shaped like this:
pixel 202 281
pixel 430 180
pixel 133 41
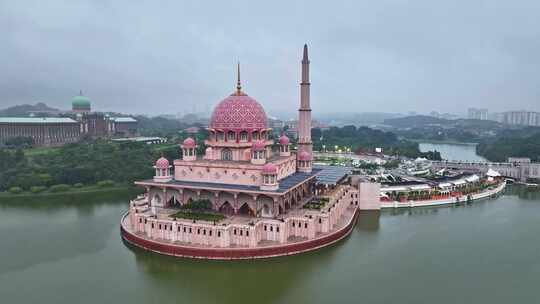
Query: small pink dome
pixel 304 156
pixel 189 143
pixel 269 168
pixel 162 163
pixel 259 145
pixel 284 140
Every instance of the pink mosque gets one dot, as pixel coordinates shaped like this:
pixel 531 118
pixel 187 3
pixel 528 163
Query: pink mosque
pixel 264 189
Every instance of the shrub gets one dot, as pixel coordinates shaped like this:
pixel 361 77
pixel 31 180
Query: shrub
pixel 37 189
pixel 198 205
pixel 60 188
pixel 105 183
pixel 78 185
pixel 15 190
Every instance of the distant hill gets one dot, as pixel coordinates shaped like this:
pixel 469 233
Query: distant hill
pixel 422 121
pixel 357 119
pixel 26 109
pixel 416 121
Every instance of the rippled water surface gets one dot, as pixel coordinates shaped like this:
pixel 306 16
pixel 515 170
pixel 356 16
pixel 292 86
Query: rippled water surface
pixel 70 251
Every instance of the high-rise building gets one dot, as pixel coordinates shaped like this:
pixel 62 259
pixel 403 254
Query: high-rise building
pixel 523 118
pixel 474 113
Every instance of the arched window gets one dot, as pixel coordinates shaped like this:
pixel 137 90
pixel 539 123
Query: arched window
pixel 226 154
pixel 243 136
pixel 231 136
pixel 255 136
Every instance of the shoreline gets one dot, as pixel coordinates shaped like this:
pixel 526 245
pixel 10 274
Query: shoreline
pixel 74 191
pixel 443 142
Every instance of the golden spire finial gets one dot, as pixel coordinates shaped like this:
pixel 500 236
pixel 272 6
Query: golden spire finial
pixel 238 84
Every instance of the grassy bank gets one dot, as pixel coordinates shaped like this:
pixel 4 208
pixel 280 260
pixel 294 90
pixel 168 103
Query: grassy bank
pixel 71 191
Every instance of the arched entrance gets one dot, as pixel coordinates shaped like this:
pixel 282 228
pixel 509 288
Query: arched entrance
pixel 173 202
pixel 156 200
pixel 226 208
pixel 266 212
pixel 246 210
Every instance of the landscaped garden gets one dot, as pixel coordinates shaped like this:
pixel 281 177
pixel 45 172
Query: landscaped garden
pixel 198 210
pixel 316 203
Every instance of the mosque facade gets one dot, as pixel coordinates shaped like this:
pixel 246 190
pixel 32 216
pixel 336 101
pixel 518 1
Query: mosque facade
pixel 266 191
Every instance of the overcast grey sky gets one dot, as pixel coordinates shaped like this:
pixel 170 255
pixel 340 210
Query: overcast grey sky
pixel 166 56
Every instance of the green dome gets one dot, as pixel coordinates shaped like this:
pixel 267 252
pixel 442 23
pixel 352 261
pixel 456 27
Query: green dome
pixel 80 102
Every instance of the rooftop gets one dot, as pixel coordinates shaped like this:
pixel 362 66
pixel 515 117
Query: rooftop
pixel 331 175
pixel 123 119
pixel 285 184
pixel 37 120
pixel 140 139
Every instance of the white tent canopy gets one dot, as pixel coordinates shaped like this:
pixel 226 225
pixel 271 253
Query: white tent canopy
pixel 445 185
pixel 459 182
pixel 473 178
pixel 420 187
pixel 492 173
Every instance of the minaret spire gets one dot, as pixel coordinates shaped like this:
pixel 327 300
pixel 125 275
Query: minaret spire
pixel 80 92
pixel 305 146
pixel 238 83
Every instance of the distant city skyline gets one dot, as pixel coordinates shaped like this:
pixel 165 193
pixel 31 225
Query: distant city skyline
pixel 384 56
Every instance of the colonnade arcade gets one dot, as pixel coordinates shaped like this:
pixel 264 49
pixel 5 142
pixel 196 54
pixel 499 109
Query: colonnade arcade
pixel 231 202
pixel 238 136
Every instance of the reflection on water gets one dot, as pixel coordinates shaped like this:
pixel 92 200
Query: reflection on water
pixel 262 281
pixel 46 229
pixel 368 221
pixel 524 192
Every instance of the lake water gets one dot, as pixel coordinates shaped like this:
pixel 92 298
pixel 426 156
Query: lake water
pixel 464 152
pixel 69 250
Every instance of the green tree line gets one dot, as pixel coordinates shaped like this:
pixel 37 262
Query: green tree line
pixel 81 163
pixel 364 139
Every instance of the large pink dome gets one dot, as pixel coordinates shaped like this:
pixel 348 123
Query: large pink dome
pixel 238 112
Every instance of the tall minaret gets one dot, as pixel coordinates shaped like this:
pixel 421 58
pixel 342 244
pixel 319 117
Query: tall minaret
pixel 305 145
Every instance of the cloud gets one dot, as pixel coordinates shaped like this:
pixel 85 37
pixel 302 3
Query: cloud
pixel 173 56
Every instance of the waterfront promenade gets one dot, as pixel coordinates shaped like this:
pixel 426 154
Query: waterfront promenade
pixel 445 201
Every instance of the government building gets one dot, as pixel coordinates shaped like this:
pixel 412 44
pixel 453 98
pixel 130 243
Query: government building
pixel 70 127
pixel 271 199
